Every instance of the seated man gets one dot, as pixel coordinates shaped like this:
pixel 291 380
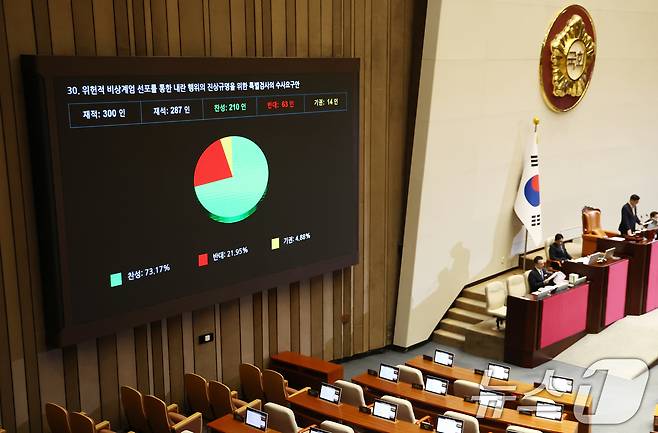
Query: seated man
pixel 538 276
pixel 557 251
pixel 652 222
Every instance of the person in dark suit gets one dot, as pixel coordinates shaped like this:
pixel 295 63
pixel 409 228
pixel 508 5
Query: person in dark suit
pixel 652 222
pixel 538 276
pixel 557 251
pixel 629 216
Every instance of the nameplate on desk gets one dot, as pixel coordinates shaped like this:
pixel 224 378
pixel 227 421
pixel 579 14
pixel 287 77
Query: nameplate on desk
pixel 313 392
pixel 428 358
pixel 417 386
pixel 238 417
pixel 478 372
pixel 373 372
pixel 364 409
pixel 426 426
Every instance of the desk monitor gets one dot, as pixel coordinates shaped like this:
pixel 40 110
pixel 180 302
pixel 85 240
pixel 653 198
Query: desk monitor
pixel 498 371
pixel 256 419
pixel 549 411
pixel 385 410
pixel 436 385
pixel 594 258
pixel 491 399
pixel 444 358
pixel 389 372
pixel 330 393
pixel 560 384
pixel 445 424
pixel 317 430
pixel 610 253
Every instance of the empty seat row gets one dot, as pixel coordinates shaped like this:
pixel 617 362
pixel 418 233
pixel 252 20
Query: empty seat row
pixel 61 421
pixel 268 385
pixel 496 294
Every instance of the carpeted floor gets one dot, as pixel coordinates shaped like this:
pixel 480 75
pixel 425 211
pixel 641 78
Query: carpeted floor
pixel 620 393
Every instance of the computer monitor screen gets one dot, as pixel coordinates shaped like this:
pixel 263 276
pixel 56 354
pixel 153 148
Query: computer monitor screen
pixel 609 253
pixel 317 430
pixel 436 385
pixel 385 410
pixel 330 393
pixel 492 399
pixel 560 384
pixel 498 371
pixel 445 424
pixel 389 372
pixel 256 418
pixel 549 411
pixel 444 358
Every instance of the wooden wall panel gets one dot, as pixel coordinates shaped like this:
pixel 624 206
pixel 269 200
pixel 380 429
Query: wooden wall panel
pixel 334 315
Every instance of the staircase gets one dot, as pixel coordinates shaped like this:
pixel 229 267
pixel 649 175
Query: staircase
pixel 469 309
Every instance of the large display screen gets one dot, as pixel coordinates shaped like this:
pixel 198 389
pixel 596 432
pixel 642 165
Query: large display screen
pixel 167 184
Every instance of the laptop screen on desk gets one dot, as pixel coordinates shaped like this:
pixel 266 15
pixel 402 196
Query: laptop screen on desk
pixel 256 418
pixel 498 371
pixel 445 424
pixel 389 372
pixel 560 384
pixel 549 411
pixel 317 430
pixel 443 357
pixel 330 393
pixel 492 399
pixel 436 385
pixel 385 410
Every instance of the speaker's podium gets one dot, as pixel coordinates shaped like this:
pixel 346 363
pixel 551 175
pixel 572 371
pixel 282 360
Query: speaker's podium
pixel 642 252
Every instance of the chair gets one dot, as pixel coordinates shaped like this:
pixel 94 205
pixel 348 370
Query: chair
pixel 519 429
pixel 466 388
pixel 276 387
pixel 410 374
pixel 525 278
pixel 251 381
pixel 2 430
pixel 471 424
pixel 281 418
pixel 496 295
pixel 133 406
pixel 405 409
pixel 162 421
pixel 58 418
pixel 224 401
pixel 196 392
pixel 516 286
pixel 351 393
pixel 81 423
pixel 334 427
pixel 592 229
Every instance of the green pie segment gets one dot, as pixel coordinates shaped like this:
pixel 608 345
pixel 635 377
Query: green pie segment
pixel 231 178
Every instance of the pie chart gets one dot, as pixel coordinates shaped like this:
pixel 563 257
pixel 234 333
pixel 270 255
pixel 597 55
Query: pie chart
pixel 230 178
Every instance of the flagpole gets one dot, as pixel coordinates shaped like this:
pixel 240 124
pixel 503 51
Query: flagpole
pixel 535 120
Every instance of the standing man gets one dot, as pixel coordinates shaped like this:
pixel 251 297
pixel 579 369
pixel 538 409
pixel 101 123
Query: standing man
pixel 629 216
pixel 538 276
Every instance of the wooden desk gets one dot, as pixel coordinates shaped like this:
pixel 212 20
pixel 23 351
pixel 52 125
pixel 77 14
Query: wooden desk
pixel 227 424
pixel 432 404
pixel 655 418
pixel 537 330
pixel 608 283
pixel 316 410
pixel 301 371
pixel 642 294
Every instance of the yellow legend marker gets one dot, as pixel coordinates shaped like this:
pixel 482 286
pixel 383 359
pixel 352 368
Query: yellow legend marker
pixel 275 243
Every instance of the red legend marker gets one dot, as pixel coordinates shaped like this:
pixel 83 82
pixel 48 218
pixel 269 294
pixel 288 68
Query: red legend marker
pixel 203 260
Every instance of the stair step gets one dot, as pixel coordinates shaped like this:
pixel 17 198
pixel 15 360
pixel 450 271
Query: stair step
pixel 466 315
pixel 475 292
pixel 471 305
pixel 456 326
pixel 448 338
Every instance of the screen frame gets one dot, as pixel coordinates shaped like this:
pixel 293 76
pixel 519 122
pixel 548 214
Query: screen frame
pixel 452 355
pixel 450 418
pixel 39 75
pixel 259 412
pixel 317 430
pixel 335 388
pixel 551 388
pixel 497 393
pixel 543 403
pixel 388 404
pixel 389 366
pixel 509 370
pixel 440 379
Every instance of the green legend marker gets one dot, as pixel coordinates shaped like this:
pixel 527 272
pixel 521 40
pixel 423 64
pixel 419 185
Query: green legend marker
pixel 115 279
